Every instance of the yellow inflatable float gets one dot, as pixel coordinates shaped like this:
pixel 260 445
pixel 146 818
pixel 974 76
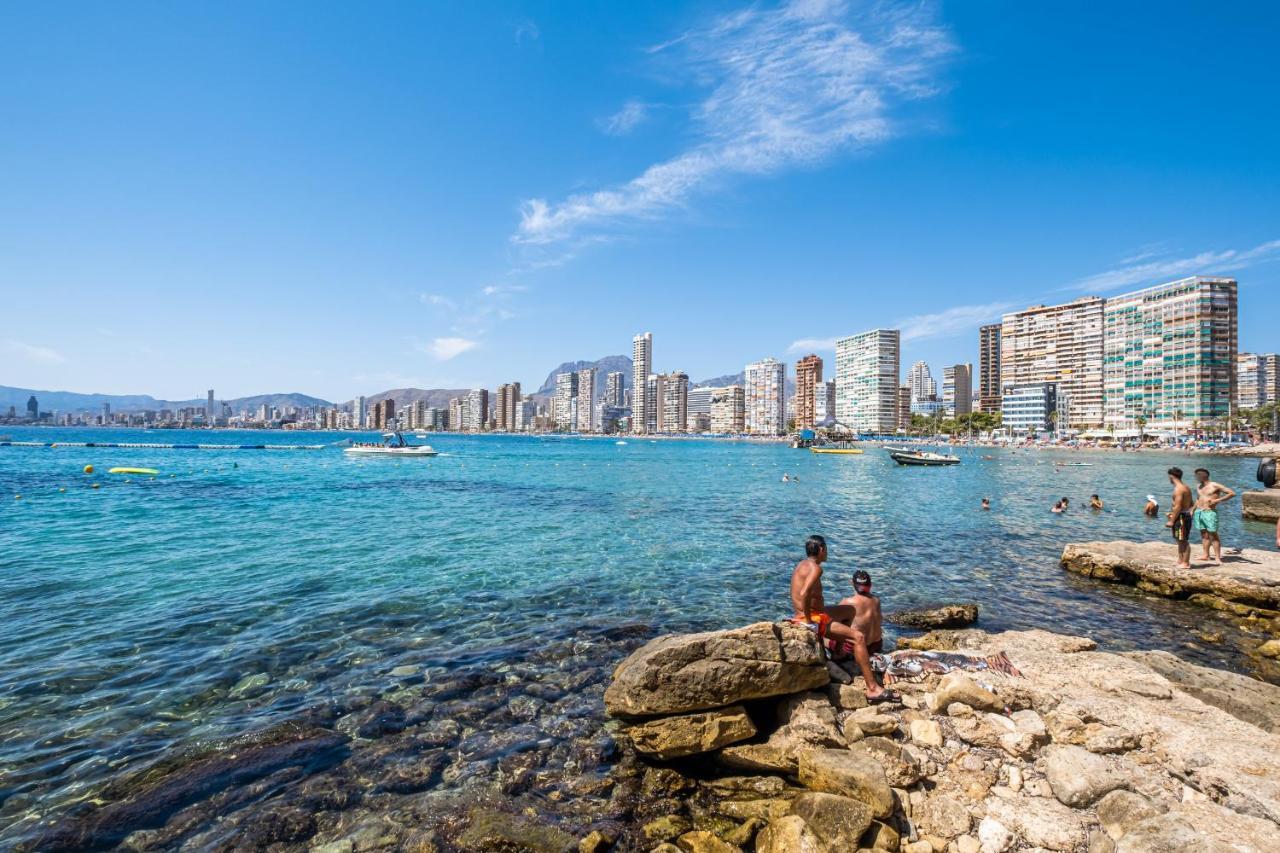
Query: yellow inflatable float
pixel 133 471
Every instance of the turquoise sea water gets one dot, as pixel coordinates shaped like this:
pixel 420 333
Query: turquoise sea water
pixel 241 588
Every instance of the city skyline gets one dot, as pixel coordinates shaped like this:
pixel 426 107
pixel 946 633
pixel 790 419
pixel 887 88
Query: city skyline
pixel 344 232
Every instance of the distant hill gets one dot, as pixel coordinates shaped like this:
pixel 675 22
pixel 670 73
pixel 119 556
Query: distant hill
pixel 738 379
pixel 436 398
pixel 70 401
pixel 608 364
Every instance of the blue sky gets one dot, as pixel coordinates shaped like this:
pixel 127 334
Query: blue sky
pixel 342 198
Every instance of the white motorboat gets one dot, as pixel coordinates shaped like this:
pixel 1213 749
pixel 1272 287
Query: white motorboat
pixel 393 444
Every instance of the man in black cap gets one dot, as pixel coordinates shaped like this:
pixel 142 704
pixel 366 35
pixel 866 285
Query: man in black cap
pixel 866 612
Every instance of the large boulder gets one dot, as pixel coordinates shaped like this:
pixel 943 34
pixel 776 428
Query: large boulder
pixel 682 673
pixel 959 687
pixel 690 734
pixel 1242 697
pixel 837 821
pixel 849 774
pixel 1078 777
pixel 787 835
pixel 946 616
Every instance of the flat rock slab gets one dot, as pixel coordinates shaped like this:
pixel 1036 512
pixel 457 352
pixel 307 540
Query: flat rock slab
pixel 1261 505
pixel 1250 578
pixel 682 673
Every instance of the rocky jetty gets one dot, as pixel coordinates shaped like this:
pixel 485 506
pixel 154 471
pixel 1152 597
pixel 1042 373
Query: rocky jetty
pixel 1261 505
pixel 1247 583
pixel 1085 751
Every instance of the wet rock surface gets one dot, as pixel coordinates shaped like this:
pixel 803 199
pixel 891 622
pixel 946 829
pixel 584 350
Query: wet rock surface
pixel 942 616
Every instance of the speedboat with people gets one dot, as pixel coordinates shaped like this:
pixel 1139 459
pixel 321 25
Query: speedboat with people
pixel 393 444
pixel 921 457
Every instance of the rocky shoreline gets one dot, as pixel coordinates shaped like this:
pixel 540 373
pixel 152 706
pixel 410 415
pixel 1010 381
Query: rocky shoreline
pixel 744 741
pixel 730 740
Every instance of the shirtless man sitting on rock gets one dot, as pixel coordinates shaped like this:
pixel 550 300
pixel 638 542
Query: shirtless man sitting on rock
pixel 840 622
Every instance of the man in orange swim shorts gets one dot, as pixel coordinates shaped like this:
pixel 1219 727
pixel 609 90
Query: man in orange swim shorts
pixel 834 621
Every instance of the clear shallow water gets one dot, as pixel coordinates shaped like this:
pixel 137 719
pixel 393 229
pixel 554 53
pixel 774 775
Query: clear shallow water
pixel 241 588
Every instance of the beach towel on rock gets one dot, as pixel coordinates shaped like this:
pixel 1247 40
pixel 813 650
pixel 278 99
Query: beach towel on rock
pixel 912 665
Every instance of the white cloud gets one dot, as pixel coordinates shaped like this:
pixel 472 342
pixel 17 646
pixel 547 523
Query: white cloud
pixel 952 321
pixel 501 289
pixel 1151 272
pixel 625 120
pixel 789 86
pixel 445 349
pixel 438 301
pixel 33 353
pixel 813 344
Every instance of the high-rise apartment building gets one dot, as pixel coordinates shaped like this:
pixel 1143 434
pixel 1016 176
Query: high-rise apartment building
pixel 700 400
pixel 674 400
pixel 614 387
pixel 501 413
pixel 808 378
pixel 384 413
pixel 867 370
pixel 586 400
pixel 728 410
pixel 1171 354
pixel 824 403
pixel 989 368
pixel 562 401
pixel 210 413
pixel 923 386
pixel 475 415
pixel 957 389
pixel 1062 344
pixel 1257 380
pixel 904 407
pixel 641 367
pixel 764 390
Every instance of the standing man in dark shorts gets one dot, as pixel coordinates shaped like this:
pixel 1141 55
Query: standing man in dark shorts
pixel 1180 517
pixel 833 622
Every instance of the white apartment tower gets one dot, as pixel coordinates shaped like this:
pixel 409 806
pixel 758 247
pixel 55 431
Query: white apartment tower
pixel 562 402
pixel 614 383
pixel 674 401
pixel 923 386
pixel 641 367
pixel 764 397
pixel 867 369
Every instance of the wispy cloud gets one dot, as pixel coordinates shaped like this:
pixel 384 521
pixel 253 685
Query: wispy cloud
pixel 447 349
pixel 438 301
pixel 813 344
pixel 502 289
pixel 33 353
pixel 952 321
pixel 527 30
pixel 1167 269
pixel 625 120
pixel 788 86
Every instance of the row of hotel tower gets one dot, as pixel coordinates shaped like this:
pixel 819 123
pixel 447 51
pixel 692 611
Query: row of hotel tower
pixel 1162 358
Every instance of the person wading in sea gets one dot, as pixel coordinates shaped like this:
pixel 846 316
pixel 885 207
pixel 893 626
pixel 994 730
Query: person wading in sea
pixel 835 621
pixel 1180 517
pixel 1208 495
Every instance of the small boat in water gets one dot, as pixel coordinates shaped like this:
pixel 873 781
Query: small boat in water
pixel 921 457
pixel 844 445
pixel 393 444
